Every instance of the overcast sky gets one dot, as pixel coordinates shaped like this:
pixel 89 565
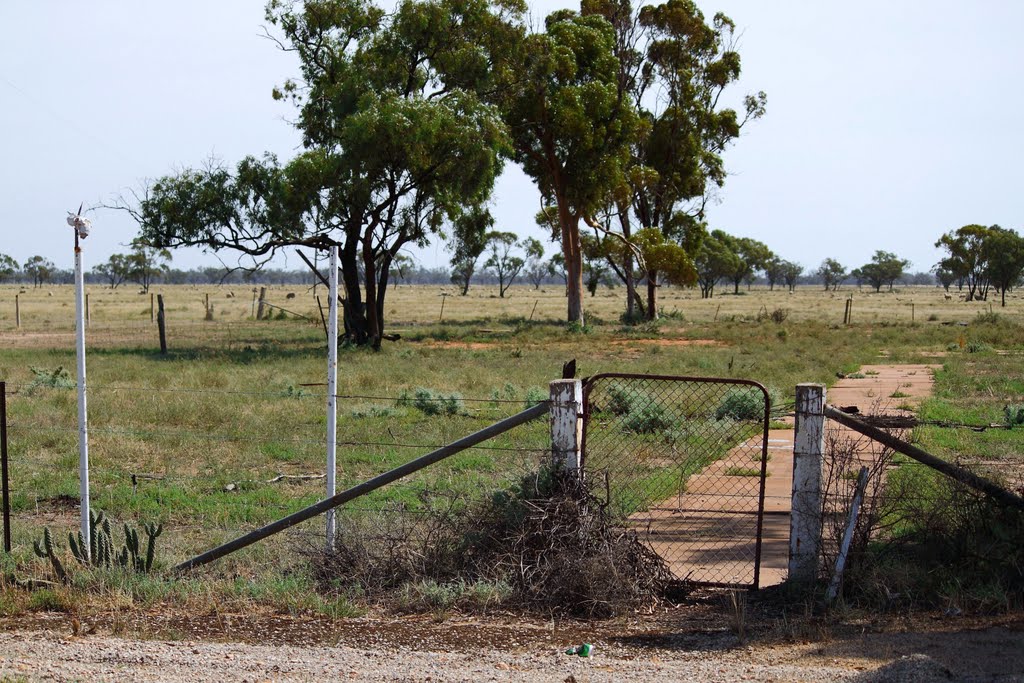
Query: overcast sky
pixel 888 122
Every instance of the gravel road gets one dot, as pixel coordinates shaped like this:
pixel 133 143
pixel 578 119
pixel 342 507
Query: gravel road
pixel 49 656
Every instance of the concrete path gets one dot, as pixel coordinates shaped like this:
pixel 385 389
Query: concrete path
pixel 708 532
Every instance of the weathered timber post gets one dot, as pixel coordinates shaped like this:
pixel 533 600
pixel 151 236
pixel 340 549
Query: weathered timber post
pixel 88 315
pixel 805 518
pixel 259 309
pixel 567 424
pixel 152 307
pixel 17 311
pixel 161 323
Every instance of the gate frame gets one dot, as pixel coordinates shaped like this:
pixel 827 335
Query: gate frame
pixel 588 385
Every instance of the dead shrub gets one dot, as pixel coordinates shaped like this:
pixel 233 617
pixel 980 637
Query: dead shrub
pixel 550 541
pixel 922 539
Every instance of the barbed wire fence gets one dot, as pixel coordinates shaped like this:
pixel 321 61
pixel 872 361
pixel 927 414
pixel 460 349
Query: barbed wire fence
pixel 212 479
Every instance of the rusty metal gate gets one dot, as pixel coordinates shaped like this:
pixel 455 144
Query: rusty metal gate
pixel 683 460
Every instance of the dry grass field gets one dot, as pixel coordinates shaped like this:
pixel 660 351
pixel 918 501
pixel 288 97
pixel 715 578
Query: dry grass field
pixel 198 439
pixel 51 308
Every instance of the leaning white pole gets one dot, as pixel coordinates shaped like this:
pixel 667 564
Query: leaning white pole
pixel 332 390
pixel 83 425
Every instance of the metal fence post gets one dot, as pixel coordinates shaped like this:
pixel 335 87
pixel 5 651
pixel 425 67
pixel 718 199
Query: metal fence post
pixel 805 518
pixel 566 423
pixel 3 460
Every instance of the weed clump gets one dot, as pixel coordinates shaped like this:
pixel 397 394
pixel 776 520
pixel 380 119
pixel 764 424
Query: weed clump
pixel 57 378
pixel 639 413
pixel 1014 414
pixel 430 402
pixel 740 405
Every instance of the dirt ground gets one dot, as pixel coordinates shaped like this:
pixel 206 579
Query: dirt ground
pixel 695 641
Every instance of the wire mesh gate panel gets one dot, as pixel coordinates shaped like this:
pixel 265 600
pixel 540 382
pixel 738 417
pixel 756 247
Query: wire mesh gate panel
pixel 682 461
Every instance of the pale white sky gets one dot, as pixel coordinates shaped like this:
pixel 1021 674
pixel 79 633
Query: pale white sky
pixel 889 122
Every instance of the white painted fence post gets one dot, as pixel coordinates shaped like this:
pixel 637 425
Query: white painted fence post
pixel 566 423
pixel 332 390
pixel 805 518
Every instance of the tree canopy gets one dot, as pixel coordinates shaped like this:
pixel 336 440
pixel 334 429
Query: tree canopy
pixel 885 268
pixel 399 143
pixel 8 267
pixel 832 274
pixel 571 126
pixel 673 69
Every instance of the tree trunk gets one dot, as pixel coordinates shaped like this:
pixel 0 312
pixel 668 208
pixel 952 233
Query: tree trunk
pixel 652 295
pixel 356 328
pixel 573 263
pixel 627 266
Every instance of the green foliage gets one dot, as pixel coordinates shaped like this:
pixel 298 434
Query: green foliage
pixel 714 261
pixel 48 600
pixel 832 273
pixel 885 268
pixel 8 267
pixel 648 417
pixel 398 141
pixel 640 413
pixel 430 402
pixel 100 551
pixel 39 269
pixel 502 262
pixel 1014 413
pixel 57 378
pixel 571 126
pixel 535 395
pixel 740 404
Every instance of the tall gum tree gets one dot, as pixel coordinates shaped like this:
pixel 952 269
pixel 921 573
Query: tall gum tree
pixel 400 141
pixel 571 126
pixel 674 68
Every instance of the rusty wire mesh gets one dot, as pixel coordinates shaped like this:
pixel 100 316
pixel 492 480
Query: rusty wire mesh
pixel 682 461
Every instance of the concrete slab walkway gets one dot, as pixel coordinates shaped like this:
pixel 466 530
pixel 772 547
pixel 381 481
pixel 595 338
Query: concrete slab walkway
pixel 708 531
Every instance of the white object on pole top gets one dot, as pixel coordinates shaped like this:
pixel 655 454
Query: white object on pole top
pixel 80 224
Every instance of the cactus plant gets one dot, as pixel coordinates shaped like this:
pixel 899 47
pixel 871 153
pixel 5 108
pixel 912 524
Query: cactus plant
pixel 46 551
pixel 102 550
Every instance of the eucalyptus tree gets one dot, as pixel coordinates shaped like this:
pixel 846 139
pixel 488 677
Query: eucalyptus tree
pixel 399 142
pixel 1005 260
pixel 832 274
pixel 885 268
pixel 967 257
pixel 751 256
pixel 714 261
pixel 145 263
pixel 469 242
pixel 791 273
pixel 674 67
pixel 116 270
pixel 8 267
pixel 536 267
pixel 502 262
pixel 40 269
pixel 572 127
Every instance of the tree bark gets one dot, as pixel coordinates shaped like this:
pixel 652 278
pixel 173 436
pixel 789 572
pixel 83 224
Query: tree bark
pixel 652 295
pixel 573 262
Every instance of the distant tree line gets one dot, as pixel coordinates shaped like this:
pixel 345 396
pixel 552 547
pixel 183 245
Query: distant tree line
pixel 979 260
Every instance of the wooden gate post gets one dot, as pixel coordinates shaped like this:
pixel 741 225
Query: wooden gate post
pixel 161 322
pixel 259 309
pixel 567 423
pixel 805 517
